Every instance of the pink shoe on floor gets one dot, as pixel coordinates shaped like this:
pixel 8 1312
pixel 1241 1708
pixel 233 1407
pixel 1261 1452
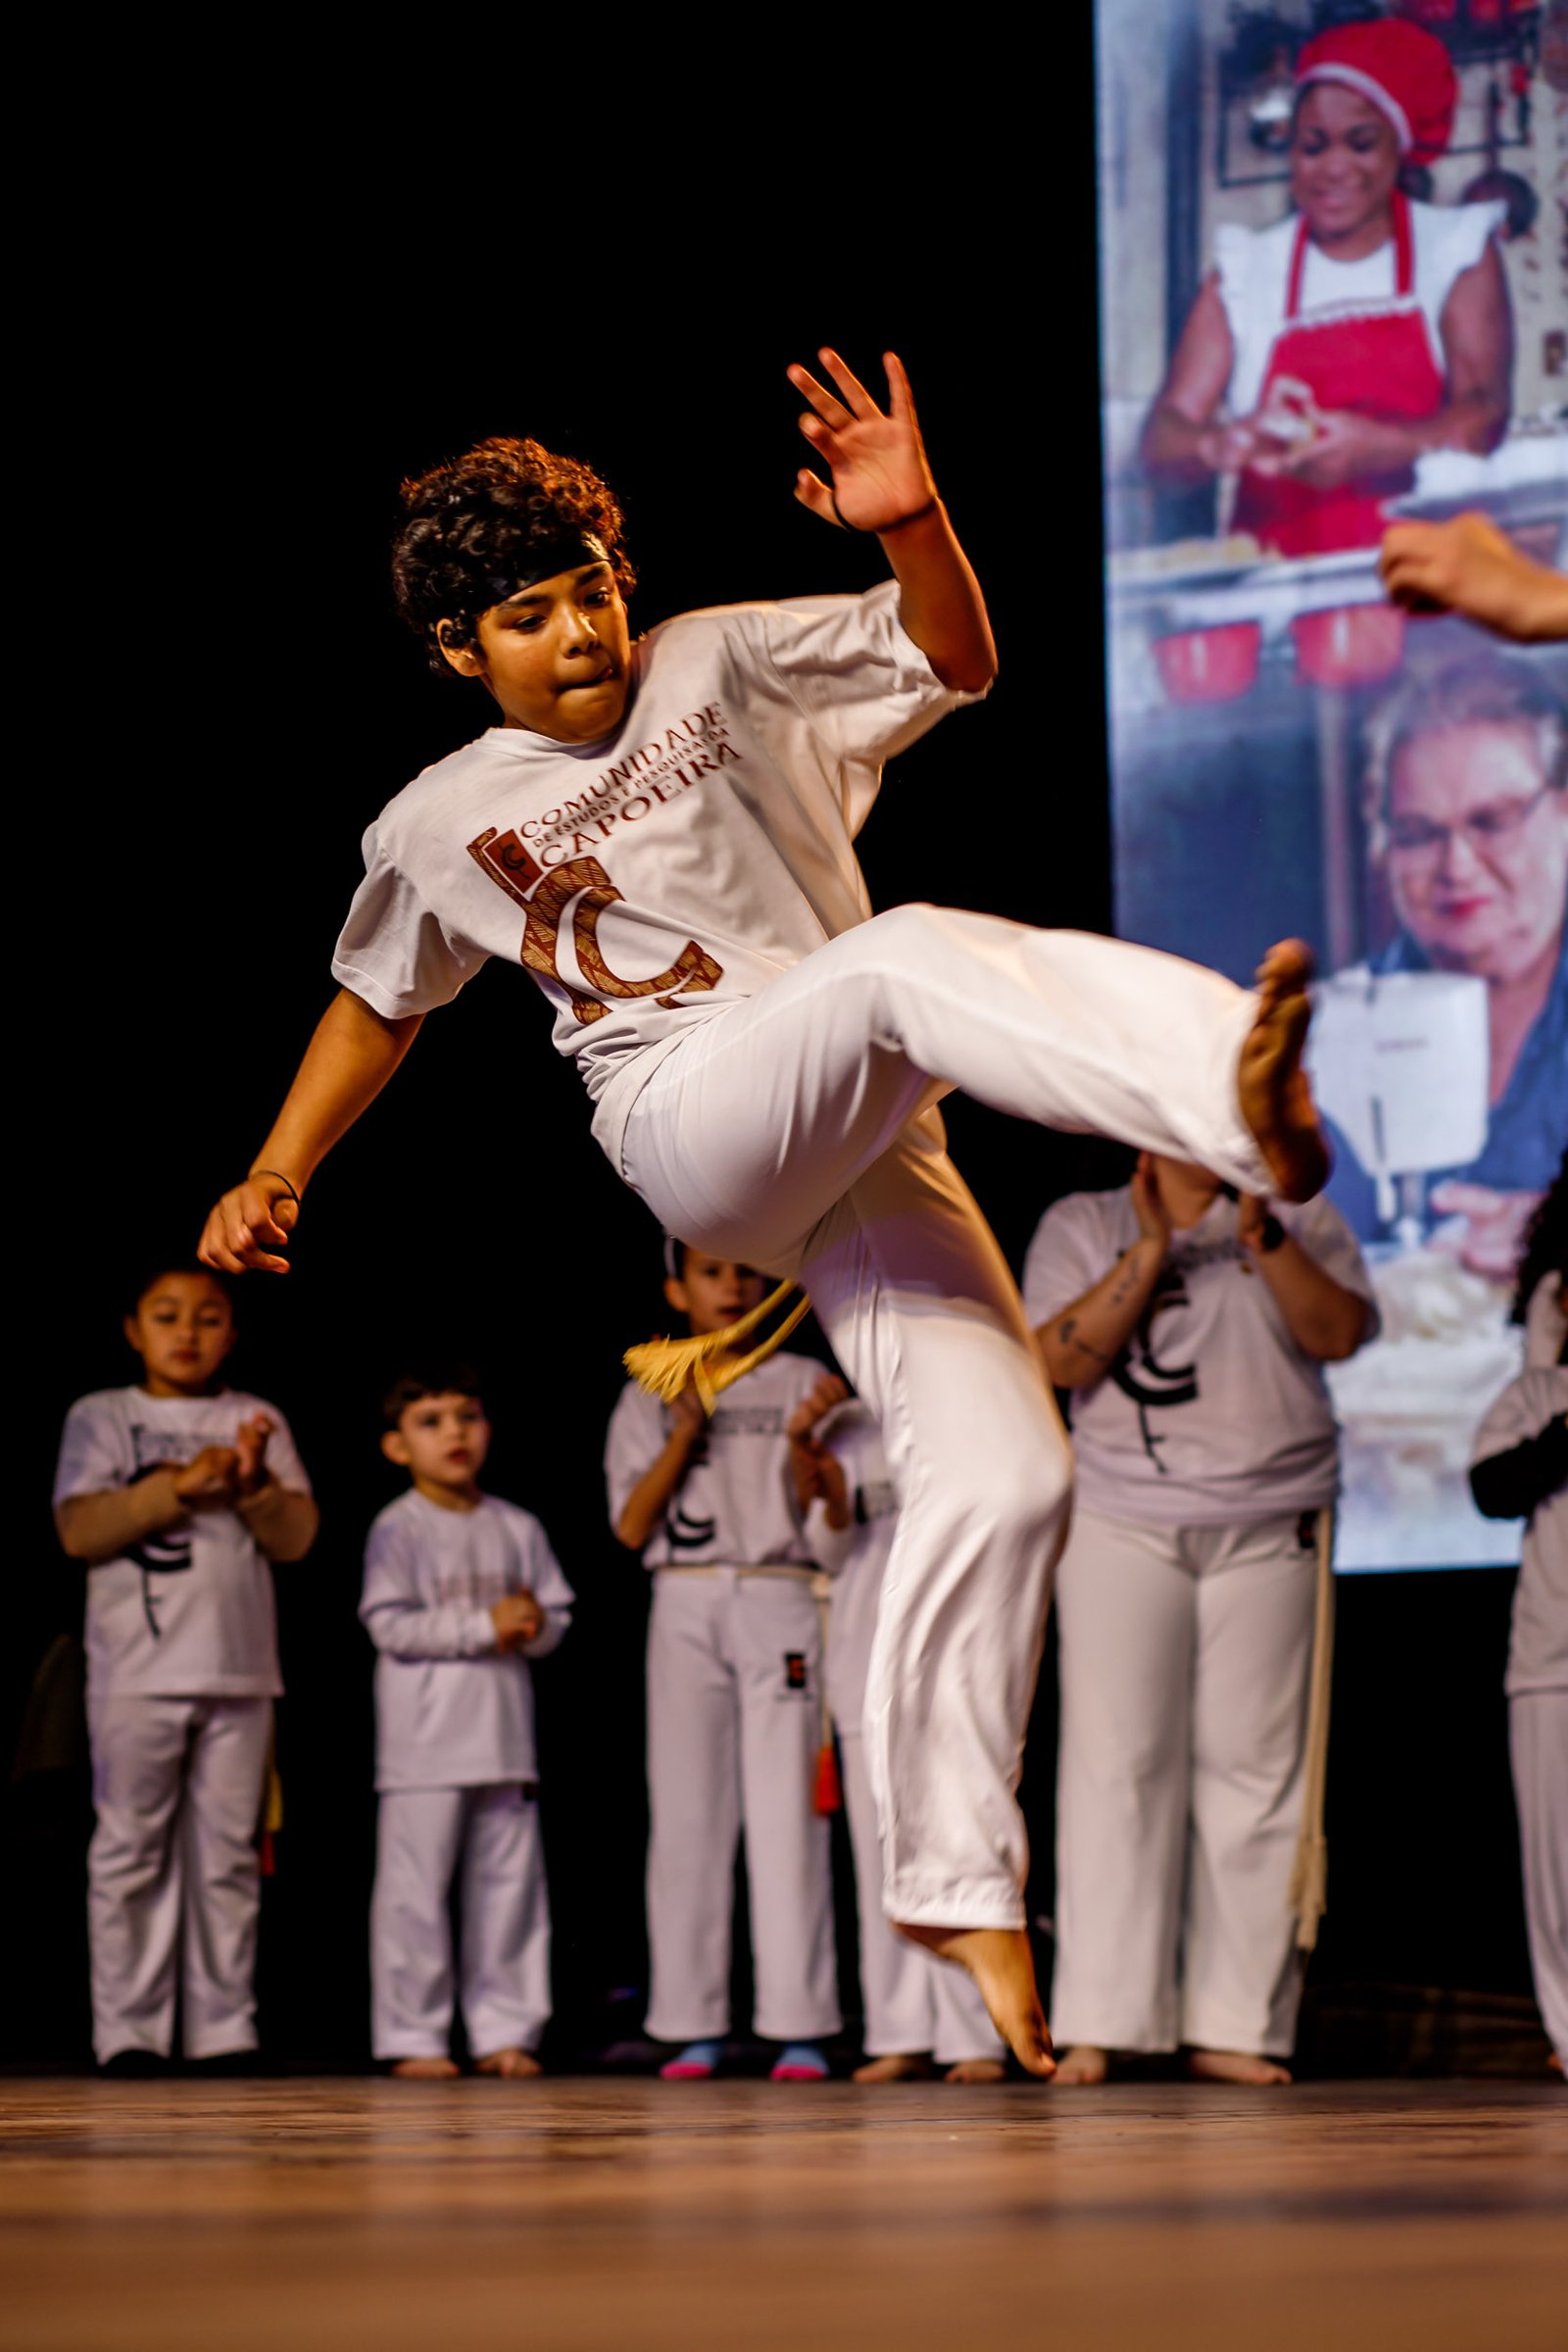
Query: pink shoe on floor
pixel 800 2062
pixel 698 2062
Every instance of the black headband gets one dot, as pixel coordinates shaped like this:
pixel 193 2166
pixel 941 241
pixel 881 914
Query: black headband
pixel 566 553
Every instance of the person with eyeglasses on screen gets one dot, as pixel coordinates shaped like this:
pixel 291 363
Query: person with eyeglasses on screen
pixel 1467 804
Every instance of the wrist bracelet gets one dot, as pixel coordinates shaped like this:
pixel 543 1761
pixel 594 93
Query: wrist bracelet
pixel 1271 1235
pixel 281 1178
pixel 902 523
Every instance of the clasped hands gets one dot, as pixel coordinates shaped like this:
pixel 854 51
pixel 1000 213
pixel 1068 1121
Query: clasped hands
pixel 518 1619
pixel 222 1477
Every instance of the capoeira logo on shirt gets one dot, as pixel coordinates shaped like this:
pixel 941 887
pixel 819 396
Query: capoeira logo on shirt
pixel 586 889
pixel 168 1552
pixel 1140 1374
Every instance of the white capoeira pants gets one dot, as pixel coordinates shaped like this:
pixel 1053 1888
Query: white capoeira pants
pixel 1186 1655
pixel 1538 1736
pixel 733 1733
pixel 424 1837
pixel 787 1130
pixel 174 1881
pixel 914 2001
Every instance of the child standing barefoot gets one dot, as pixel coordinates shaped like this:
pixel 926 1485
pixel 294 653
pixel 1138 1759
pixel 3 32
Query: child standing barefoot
pixel 662 836
pixel 178 1493
pixel 461 1591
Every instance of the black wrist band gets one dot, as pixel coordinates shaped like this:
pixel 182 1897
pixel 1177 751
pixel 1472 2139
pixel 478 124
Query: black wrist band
pixel 919 515
pixel 281 1178
pixel 1271 1235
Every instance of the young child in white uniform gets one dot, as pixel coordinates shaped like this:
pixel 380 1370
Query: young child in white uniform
pixel 662 836
pixel 915 2007
pixel 1191 1331
pixel 178 1493
pixel 734 1691
pixel 1520 1470
pixel 461 1591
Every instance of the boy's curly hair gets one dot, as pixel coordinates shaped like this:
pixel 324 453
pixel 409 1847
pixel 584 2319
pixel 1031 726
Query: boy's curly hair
pixel 478 518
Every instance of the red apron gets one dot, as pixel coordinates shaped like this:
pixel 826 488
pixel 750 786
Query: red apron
pixel 1377 363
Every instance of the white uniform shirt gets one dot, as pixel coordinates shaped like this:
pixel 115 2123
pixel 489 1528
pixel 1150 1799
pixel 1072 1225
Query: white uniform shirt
pixel 855 1436
pixel 1255 269
pixel 1212 1415
pixel 735 1507
pixel 188 1612
pixel 682 862
pixel 451 1710
pixel 1538 1647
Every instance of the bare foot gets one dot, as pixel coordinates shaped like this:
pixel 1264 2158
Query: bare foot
pixel 424 2070
pixel 1001 1963
pixel 516 2065
pixel 1271 1086
pixel 1085 2062
pixel 1235 2066
pixel 899 2066
pixel 976 2069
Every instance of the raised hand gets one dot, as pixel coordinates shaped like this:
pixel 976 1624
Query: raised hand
pixel 1154 1219
pixel 819 1399
pixel 251 1222
pixel 877 460
pixel 250 1454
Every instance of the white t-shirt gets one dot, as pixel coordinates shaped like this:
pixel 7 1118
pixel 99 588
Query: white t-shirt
pixel 1254 271
pixel 1212 1415
pixel 189 1612
pixel 735 1507
pixel 682 862
pixel 451 1710
pixel 1538 1648
pixel 856 1438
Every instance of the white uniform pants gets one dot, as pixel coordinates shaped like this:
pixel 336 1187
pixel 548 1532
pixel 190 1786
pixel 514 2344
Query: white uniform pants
pixel 734 1725
pixel 424 1835
pixel 1186 1654
pixel 174 1883
pixel 1538 1734
pixel 914 2001
pixel 783 1131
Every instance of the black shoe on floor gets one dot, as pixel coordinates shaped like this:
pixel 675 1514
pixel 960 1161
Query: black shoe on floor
pixel 136 2066
pixel 226 2065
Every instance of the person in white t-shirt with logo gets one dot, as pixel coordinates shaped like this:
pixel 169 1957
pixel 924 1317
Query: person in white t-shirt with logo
pixel 179 1494
pixel 1191 1329
pixel 662 836
pixel 461 1589
pixel 734 1689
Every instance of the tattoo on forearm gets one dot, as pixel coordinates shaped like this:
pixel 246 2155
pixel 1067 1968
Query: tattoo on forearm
pixel 1068 1332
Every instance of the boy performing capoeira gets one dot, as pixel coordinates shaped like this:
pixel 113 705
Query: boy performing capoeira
pixel 663 835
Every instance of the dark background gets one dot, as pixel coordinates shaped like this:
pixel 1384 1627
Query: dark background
pixel 216 464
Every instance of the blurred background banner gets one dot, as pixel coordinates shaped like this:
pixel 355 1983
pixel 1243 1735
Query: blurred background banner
pixel 1333 292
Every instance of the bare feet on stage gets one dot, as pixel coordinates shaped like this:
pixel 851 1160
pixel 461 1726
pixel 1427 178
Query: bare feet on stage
pixel 976 2069
pixel 1235 2066
pixel 1271 1085
pixel 516 2066
pixel 1084 2061
pixel 899 2066
pixel 999 1961
pixel 426 2070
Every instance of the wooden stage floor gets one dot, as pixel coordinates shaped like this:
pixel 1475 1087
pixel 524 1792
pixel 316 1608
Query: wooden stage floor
pixel 566 2214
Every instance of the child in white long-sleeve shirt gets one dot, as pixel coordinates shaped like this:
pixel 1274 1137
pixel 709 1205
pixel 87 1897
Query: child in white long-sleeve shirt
pixel 461 1591
pixel 178 1493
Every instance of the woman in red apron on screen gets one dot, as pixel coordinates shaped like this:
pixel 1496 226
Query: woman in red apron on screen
pixel 1325 355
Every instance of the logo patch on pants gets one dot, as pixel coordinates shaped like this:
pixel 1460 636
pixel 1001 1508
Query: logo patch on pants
pixel 795 1670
